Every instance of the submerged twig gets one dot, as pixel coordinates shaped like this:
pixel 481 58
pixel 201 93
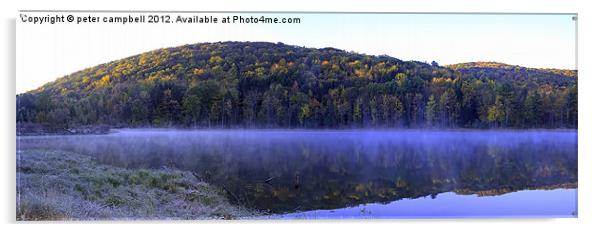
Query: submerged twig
pixel 267 181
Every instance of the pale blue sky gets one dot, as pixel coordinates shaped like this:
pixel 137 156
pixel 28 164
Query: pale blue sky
pixel 528 40
pixel 541 41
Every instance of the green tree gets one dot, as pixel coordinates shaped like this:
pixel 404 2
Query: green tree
pixel 431 111
pixel 192 109
pixel 533 112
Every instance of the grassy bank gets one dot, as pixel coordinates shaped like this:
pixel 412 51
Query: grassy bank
pixel 58 185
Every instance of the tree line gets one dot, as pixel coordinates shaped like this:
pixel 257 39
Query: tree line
pixel 266 85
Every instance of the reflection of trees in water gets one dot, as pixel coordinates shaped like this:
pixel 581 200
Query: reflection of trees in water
pixel 287 172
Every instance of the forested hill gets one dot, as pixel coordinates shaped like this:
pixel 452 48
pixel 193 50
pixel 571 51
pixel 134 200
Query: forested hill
pixel 496 71
pixel 258 84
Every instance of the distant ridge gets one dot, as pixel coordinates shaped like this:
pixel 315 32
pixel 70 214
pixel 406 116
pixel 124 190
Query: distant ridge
pixel 497 65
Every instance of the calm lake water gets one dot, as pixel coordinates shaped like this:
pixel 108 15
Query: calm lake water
pixel 358 173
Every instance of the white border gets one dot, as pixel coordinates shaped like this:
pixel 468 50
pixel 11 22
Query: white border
pixel 589 112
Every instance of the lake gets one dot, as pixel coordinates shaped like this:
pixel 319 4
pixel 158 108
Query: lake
pixel 358 173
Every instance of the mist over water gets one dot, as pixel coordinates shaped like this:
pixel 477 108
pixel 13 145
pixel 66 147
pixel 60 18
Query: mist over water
pixel 296 170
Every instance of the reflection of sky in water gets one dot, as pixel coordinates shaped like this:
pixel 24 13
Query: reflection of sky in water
pixel 531 203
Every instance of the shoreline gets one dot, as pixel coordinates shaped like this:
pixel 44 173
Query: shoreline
pixel 58 185
pixel 32 129
pixel 298 130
